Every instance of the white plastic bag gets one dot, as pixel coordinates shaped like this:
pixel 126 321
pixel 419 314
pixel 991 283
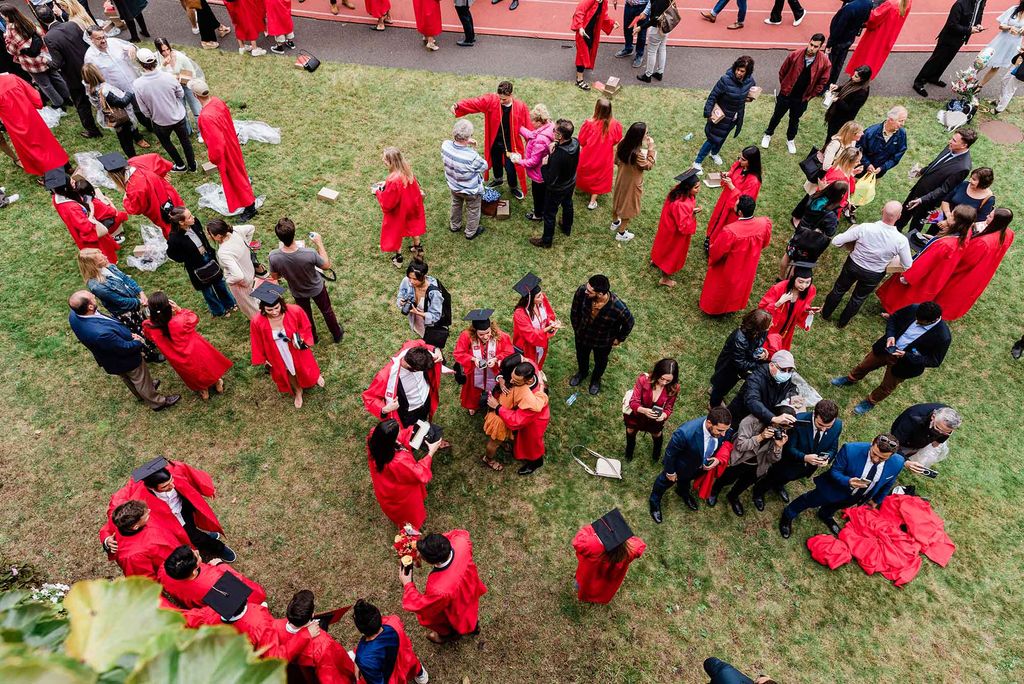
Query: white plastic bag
pixel 929 455
pixel 51 116
pixel 808 393
pixel 89 166
pixel 258 131
pixel 951 120
pixel 156 249
pixel 211 196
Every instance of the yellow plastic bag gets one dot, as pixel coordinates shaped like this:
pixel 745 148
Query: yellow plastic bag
pixel 864 193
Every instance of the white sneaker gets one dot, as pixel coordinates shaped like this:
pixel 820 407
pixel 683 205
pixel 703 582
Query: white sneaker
pixel 422 677
pixel 245 48
pixel 717 159
pixel 772 23
pixel 765 141
pixel 797 22
pixel 195 31
pixel 113 31
pixel 592 206
pixel 699 168
pixel 624 237
pixel 258 52
pixel 791 146
pixel 615 224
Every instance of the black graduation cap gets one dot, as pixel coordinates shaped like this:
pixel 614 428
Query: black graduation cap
pixel 481 318
pixel 612 529
pixel 802 269
pixel 330 617
pixel 529 284
pixel 228 595
pixel 268 292
pixel 149 468
pixel 688 173
pixel 114 161
pixel 54 179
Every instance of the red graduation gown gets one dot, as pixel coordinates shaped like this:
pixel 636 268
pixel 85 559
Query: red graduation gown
pixel 470 395
pixel 264 349
pixel 783 322
pixel 880 33
pixel 598 579
pixel 279 17
pixel 378 8
pixel 192 357
pixel 322 658
pixel 977 266
pixel 724 212
pixel 490 106
pixel 218 130
pixel 675 230
pixel 147 190
pixel 585 10
pixel 189 593
pixel 401 488
pixel 36 147
pixel 732 265
pixel 379 394
pixel 428 17
pixel 450 601
pixel 257 624
pixel 248 18
pixel 83 231
pixel 529 427
pixel 926 277
pixel 532 341
pixel 403 212
pixel 596 169
pixel 144 552
pixel 407 665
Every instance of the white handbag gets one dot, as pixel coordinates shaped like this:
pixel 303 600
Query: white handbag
pixel 626 398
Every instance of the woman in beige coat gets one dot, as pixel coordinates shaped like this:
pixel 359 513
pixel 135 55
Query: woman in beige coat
pixel 634 155
pixel 236 262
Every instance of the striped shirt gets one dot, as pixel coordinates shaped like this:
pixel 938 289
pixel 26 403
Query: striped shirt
pixel 462 168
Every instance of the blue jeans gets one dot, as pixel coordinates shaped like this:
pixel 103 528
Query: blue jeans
pixel 629 13
pixel 707 148
pixel 218 299
pixel 741 6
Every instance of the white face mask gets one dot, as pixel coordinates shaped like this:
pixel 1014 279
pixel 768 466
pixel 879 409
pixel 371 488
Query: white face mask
pixel 782 376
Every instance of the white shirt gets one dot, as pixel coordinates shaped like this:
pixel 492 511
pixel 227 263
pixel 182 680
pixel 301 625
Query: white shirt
pixel 415 386
pixel 911 334
pixel 876 244
pixel 173 502
pixel 116 64
pixel 708 437
pixel 864 475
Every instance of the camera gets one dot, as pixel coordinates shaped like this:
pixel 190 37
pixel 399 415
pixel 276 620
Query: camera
pixel 778 433
pixel 760 351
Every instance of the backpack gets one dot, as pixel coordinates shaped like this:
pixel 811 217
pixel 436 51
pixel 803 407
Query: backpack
pixel 446 305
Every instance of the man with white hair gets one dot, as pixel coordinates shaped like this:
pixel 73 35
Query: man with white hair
pixel 463 167
pixel 874 246
pixel 883 145
pixel 923 430
pixel 161 97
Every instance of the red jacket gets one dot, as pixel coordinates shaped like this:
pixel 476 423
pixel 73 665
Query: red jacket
pixel 189 593
pixel 529 427
pixel 321 658
pixel 598 579
pixel 144 552
pixel 450 601
pixel 791 67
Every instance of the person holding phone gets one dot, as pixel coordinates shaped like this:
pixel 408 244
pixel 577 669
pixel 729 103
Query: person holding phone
pixel 650 404
pixel 399 480
pixel 742 354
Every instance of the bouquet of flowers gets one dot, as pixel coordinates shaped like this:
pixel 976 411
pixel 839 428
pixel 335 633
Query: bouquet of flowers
pixel 405 546
pixel 965 85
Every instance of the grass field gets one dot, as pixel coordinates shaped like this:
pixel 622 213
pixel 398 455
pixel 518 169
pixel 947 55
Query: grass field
pixel 294 491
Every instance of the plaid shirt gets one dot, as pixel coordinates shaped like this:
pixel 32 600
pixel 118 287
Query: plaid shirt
pixel 613 322
pixel 15 43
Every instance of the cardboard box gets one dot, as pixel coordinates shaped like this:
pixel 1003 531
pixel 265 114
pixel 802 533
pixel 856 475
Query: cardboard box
pixel 612 82
pixel 140 251
pixel 327 195
pixel 209 167
pixel 503 212
pixel 895 266
pixel 713 180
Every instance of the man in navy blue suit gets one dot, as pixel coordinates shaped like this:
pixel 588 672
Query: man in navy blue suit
pixel 116 348
pixel 813 441
pixel 862 474
pixel 690 452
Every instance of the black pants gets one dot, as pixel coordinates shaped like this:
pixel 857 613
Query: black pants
pixel 721 384
pixel 913 217
pixel 437 337
pixel 838 57
pixel 128 135
pixel 207 546
pixel 130 21
pixel 143 119
pixel 776 13
pixel 740 476
pixel 466 17
pixel 583 360
pixel 942 56
pixel 793 104
pixel 407 416
pixel 323 302
pixel 500 164
pixel 552 201
pixel 779 475
pixel 863 283
pixel 82 105
pixel 538 190
pixel 180 129
pixel 207 22
pixel 662 484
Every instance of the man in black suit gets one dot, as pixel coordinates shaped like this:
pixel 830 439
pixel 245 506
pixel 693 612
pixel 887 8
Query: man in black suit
pixel 813 442
pixel 915 338
pixel 67 45
pixel 963 21
pixel 936 180
pixel 925 427
pixel 722 672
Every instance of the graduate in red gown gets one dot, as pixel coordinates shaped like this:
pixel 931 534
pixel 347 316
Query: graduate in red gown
pixel 257 624
pixel 283 337
pixel 977 266
pixel 449 605
pixel 384 653
pixel 588 21
pixel 598 137
pixel 279 22
pixel 528 424
pixel 143 181
pixel 480 350
pixel 495 107
pixel 388 394
pixel 676 227
pixel 187 579
pixel 173 330
pixel 533 321
pixel 140 544
pixel 401 200
pixel 249 17
pixel 732 260
pixel 790 302
pixel 222 147
pixel 36 147
pixel 932 267
pixel 880 33
pixel 604 551
pixel 428 21
pixel 399 480
pixel 379 10
pixel 742 178
pixel 90 220
pixel 310 649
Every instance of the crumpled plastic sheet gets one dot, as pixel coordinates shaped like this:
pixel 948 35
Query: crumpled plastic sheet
pixel 89 165
pixel 156 249
pixel 51 116
pixel 258 131
pixel 804 389
pixel 211 196
pixel 951 120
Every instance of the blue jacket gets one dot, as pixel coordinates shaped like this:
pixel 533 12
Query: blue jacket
pixel 731 96
pixel 684 455
pixel 109 340
pixel 722 672
pixel 801 439
pixel 879 153
pixel 847 22
pixel 119 294
pixel 835 483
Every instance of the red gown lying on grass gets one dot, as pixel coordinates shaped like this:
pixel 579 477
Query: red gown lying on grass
pixel 450 602
pixel 926 277
pixel 787 317
pixel 403 212
pixel 189 593
pixel 264 349
pixel 975 270
pixel 724 212
pixel 384 387
pixel 732 265
pixel 222 147
pixel 83 231
pixel 598 579
pixel 467 352
pixel 146 189
pixel 321 658
pixel 199 364
pixel 36 147
pixel 490 106
pixel 675 230
pixel 401 488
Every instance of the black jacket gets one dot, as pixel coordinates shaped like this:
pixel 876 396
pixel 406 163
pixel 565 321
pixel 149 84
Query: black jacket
pixel 937 180
pixel 736 360
pixel 613 323
pixel 66 42
pixel 963 16
pixel 912 427
pixel 180 248
pixel 846 108
pixel 927 351
pixel 560 171
pixel 759 395
pixel 731 95
pixel 847 23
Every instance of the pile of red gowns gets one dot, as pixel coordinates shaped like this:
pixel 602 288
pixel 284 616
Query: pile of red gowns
pixel 888 540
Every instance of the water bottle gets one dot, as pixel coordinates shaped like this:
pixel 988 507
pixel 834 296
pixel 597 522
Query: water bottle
pixel 572 399
pixel 688 137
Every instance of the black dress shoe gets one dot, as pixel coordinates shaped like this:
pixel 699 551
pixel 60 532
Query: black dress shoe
pixel 656 514
pixel 737 507
pixel 514 5
pixel 656 76
pixel 1018 349
pixel 90 134
pixel 919 89
pixel 785 527
pixel 539 242
pixel 474 236
pixel 248 213
pixel 712 500
pixel 595 388
pixel 575 380
pixel 465 43
pixel 831 524
pixel 759 503
pixel 643 77
pixel 690 502
pixel 529 468
pixel 783 494
pixel 228 555
pixel 939 82
pixel 170 400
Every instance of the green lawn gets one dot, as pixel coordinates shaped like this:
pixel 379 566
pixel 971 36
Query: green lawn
pixel 295 493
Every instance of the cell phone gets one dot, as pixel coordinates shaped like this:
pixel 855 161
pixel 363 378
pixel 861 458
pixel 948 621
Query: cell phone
pixel 892 349
pixel 928 472
pixel 407 570
pixel 657 410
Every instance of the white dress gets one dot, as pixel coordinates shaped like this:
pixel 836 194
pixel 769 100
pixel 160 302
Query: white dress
pixel 1005 45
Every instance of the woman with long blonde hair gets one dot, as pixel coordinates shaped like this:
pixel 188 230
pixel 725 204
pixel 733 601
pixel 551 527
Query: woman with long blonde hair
pixel 108 100
pixel 845 167
pixel 401 200
pixel 598 137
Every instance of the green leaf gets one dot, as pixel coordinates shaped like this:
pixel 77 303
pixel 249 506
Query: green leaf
pixel 21 665
pixel 9 599
pixel 114 619
pixel 216 654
